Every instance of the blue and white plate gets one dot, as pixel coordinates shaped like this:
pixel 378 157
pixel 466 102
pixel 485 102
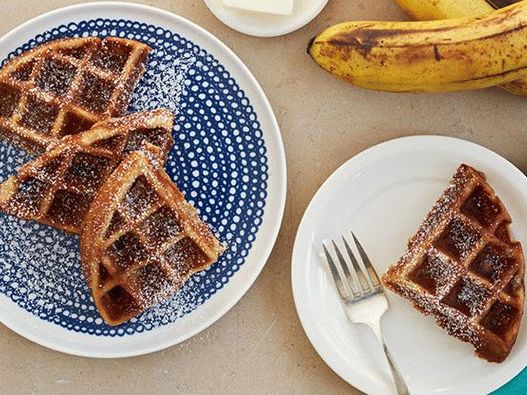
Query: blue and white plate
pixel 228 158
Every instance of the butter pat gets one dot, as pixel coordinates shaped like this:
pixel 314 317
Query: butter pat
pixel 277 7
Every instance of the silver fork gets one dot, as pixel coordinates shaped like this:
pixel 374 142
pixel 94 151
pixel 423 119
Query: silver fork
pixel 362 294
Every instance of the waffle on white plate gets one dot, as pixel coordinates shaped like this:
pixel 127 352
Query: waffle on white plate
pixel 463 268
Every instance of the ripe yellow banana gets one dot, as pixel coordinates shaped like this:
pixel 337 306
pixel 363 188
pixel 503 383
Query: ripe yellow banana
pixel 425 10
pixel 431 56
pixel 429 10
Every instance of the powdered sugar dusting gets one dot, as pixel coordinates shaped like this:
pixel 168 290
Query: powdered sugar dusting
pixel 459 277
pixel 166 312
pixel 474 296
pixel 12 158
pixel 492 263
pixel 435 273
pixel 441 272
pixel 63 83
pixel 167 84
pixel 219 161
pixel 155 265
pixel 29 253
pixel 458 239
pixel 29 273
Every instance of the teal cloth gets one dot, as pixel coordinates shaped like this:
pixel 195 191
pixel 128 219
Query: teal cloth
pixel 517 386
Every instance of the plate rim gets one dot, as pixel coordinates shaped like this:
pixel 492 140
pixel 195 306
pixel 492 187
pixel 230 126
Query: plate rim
pixel 271 33
pixel 345 373
pixel 278 179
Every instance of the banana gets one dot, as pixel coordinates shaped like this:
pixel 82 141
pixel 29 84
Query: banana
pixel 428 10
pixel 425 10
pixel 430 56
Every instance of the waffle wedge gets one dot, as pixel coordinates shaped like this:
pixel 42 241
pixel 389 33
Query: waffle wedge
pixel 65 86
pixel 141 240
pixel 58 187
pixel 463 268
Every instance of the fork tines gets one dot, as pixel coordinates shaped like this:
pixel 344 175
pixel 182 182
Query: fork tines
pixel 354 277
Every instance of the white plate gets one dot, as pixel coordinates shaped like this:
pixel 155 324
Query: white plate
pixel 266 25
pixel 217 74
pixel 383 194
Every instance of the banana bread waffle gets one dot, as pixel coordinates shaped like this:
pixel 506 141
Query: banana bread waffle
pixel 141 239
pixel 57 188
pixel 65 86
pixel 463 268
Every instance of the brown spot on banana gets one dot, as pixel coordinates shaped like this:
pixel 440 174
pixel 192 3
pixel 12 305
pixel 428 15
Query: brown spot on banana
pixel 501 3
pixel 309 44
pixel 504 73
pixel 365 40
pixel 437 55
pixel 518 87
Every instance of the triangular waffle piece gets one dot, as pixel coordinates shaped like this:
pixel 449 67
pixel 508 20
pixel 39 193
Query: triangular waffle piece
pixel 463 268
pixel 57 188
pixel 65 86
pixel 141 240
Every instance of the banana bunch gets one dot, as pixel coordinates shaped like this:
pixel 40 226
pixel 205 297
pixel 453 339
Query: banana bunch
pixel 430 56
pixel 425 10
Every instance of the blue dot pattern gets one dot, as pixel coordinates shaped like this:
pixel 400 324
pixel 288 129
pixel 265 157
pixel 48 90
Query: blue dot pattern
pixel 219 160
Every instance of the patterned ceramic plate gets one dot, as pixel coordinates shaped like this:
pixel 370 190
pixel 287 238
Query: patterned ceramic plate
pixel 228 158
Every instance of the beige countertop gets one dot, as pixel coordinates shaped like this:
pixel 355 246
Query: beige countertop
pixel 259 346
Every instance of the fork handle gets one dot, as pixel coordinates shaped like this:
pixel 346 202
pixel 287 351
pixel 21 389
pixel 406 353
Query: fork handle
pixel 400 384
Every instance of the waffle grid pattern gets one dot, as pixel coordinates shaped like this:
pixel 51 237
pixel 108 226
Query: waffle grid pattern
pixel 58 187
pixel 220 161
pixel 66 88
pixel 463 268
pixel 153 241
